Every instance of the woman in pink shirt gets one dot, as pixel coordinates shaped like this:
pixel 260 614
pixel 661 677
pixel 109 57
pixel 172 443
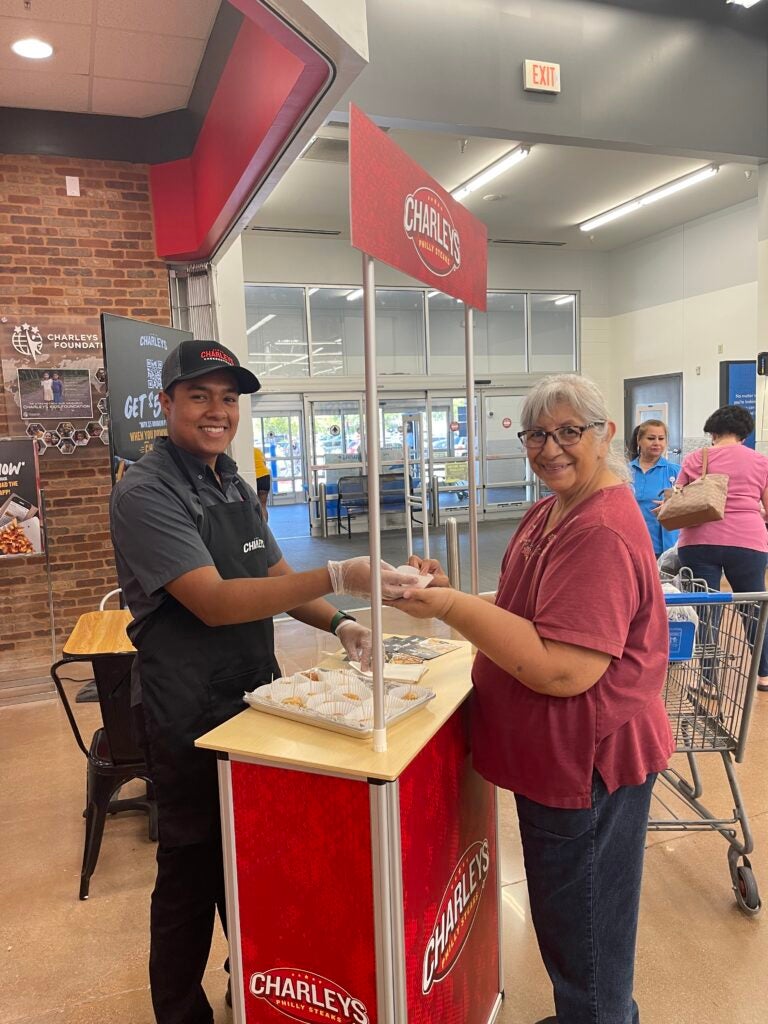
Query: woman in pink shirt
pixel 737 545
pixel 567 709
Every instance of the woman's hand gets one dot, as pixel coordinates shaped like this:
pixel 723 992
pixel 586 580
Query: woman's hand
pixel 428 603
pixel 430 567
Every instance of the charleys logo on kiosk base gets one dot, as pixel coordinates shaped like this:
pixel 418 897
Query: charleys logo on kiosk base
pixel 429 225
pixel 306 996
pixel 456 914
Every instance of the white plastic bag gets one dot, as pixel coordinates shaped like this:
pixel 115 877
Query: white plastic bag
pixel 679 612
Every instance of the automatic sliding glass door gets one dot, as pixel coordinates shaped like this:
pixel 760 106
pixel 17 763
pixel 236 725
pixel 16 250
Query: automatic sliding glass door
pixel 507 480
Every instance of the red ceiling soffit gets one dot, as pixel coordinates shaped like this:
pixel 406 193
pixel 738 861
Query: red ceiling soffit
pixel 271 80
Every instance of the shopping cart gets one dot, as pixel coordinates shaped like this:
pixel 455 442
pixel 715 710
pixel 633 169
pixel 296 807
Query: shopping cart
pixel 708 693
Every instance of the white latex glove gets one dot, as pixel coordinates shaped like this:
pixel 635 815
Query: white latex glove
pixel 356 641
pixel 353 576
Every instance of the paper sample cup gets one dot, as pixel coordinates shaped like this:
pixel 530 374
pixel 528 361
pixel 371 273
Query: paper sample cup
pixel 419 579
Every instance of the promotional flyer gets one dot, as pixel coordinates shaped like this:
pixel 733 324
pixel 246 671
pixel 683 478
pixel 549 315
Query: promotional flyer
pixel 21 530
pixel 134 351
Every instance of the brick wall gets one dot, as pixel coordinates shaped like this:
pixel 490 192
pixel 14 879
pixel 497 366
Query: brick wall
pixel 70 257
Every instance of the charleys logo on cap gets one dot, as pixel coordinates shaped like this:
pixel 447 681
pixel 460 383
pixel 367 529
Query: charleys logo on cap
pixel 306 996
pixel 456 914
pixel 428 223
pixel 219 355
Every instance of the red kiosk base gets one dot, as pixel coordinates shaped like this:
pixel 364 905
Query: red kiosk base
pixel 362 888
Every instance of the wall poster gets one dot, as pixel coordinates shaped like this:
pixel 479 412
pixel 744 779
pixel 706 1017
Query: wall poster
pixel 54 384
pixel 21 530
pixel 134 351
pixel 738 386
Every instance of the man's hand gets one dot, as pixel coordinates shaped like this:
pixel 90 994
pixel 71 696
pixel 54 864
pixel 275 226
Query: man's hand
pixel 430 567
pixel 353 576
pixel 356 641
pixel 429 603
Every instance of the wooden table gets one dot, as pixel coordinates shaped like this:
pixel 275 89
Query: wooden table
pixel 99 633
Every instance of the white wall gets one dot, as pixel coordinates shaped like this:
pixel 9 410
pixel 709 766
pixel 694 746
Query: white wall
pixel 682 301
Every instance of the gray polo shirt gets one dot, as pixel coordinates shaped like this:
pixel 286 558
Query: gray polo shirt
pixel 156 516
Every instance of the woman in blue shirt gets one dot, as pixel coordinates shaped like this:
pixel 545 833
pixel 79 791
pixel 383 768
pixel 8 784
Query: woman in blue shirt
pixel 652 474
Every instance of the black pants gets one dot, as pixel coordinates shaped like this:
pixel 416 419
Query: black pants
pixel 188 890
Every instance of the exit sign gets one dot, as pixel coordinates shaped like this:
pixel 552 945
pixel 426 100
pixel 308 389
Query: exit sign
pixel 541 76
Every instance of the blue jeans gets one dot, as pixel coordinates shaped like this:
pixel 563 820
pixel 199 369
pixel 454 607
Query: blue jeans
pixel 584 869
pixel 744 568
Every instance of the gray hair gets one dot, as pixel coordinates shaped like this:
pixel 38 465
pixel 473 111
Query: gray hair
pixel 586 400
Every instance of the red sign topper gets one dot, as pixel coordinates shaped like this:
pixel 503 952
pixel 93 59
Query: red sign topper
pixel 401 216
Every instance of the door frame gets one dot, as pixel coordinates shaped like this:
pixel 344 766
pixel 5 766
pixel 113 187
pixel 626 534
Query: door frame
pixel 629 424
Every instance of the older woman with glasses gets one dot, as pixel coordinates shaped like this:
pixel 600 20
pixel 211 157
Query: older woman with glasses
pixel 567 713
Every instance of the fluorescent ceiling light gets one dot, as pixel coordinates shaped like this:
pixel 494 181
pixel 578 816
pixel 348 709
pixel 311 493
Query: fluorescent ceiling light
pixel 433 293
pixel 351 296
pixel 743 3
pixel 650 197
pixel 33 49
pixel 491 171
pixel 564 300
pixel 260 323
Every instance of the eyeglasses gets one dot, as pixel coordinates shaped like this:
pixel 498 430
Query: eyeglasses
pixel 565 437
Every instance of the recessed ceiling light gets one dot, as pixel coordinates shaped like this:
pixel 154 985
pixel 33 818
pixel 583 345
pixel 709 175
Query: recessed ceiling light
pixel 33 49
pixel 493 197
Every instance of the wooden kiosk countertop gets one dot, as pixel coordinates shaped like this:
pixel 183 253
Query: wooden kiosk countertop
pixel 278 741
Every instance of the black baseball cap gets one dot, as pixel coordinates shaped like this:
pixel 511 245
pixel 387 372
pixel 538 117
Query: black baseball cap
pixel 194 358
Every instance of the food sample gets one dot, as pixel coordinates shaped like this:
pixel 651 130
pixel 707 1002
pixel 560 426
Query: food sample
pixel 13 540
pixel 297 702
pixel 419 579
pixel 405 659
pixel 350 695
pixel 409 696
pixel 311 673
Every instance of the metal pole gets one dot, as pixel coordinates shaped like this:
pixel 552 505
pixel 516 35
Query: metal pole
pixel 322 509
pixel 453 560
pixel 469 362
pixel 374 506
pixel 423 478
pixel 407 487
pixel 435 488
pixel 48 576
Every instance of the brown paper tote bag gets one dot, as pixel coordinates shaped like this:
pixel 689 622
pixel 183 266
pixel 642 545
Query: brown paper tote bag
pixel 700 501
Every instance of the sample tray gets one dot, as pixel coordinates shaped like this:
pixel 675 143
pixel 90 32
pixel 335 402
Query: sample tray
pixel 270 699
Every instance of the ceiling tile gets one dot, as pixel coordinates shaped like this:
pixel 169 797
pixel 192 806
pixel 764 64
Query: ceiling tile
pixel 189 18
pixel 136 99
pixel 44 92
pixel 146 57
pixel 71 47
pixel 75 12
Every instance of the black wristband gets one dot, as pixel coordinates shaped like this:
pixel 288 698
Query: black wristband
pixel 337 620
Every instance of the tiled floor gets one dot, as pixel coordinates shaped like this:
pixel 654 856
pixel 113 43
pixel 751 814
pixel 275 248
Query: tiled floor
pixel 62 961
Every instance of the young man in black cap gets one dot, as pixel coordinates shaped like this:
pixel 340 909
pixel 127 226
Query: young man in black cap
pixel 203 576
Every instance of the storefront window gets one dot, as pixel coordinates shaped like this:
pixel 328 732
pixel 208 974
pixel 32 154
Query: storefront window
pixel 553 331
pixel 277 331
pixel 337 331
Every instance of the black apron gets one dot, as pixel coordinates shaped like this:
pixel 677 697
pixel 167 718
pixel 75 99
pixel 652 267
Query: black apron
pixel 193 676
